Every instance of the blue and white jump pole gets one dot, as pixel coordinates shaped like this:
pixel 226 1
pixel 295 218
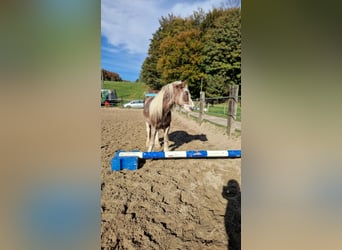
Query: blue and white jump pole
pixel 129 160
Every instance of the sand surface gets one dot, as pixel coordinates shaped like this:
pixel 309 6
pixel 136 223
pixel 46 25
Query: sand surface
pixel 169 204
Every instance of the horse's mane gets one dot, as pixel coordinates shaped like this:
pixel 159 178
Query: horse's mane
pixel 156 106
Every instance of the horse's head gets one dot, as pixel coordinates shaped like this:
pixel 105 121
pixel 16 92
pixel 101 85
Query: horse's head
pixel 182 95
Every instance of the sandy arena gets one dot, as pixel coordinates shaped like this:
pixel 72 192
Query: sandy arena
pixel 174 203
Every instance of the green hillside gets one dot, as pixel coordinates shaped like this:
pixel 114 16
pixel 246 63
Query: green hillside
pixel 127 90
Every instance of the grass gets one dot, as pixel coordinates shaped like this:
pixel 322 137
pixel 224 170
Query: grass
pixel 221 110
pixel 127 90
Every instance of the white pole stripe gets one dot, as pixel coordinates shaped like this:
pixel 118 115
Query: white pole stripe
pixel 217 153
pixel 137 154
pixel 180 154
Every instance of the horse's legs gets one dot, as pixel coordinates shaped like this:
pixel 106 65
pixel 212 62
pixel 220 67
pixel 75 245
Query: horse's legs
pixel 166 139
pixel 156 140
pixel 153 136
pixel 148 131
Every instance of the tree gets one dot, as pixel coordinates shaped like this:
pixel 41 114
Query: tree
pixel 149 73
pixel 202 46
pixel 110 76
pixel 181 59
pixel 222 52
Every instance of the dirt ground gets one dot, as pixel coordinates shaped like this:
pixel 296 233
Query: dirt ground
pixel 174 203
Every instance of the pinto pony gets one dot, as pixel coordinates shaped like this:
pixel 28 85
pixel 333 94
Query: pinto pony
pixel 157 111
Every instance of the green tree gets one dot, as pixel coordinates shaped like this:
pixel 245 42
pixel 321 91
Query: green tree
pixel 222 52
pixel 216 86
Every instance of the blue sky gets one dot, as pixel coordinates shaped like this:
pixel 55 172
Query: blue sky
pixel 127 27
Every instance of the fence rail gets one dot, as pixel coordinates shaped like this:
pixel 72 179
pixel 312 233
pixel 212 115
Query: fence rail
pixel 228 107
pixel 218 106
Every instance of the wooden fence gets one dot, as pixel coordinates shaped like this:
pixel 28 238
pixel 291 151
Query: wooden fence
pixel 232 107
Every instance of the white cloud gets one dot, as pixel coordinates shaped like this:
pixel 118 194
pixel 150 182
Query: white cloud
pixel 185 9
pixel 131 23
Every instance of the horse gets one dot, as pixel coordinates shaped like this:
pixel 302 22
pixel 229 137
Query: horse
pixel 157 111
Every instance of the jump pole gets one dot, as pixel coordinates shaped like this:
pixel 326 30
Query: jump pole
pixel 129 160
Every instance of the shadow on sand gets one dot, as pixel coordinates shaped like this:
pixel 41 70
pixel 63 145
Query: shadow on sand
pixel 181 137
pixel 232 218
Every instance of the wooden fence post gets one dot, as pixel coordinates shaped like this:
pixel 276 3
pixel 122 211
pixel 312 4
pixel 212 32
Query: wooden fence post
pixel 232 108
pixel 202 103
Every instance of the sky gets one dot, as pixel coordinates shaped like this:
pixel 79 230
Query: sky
pixel 127 27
